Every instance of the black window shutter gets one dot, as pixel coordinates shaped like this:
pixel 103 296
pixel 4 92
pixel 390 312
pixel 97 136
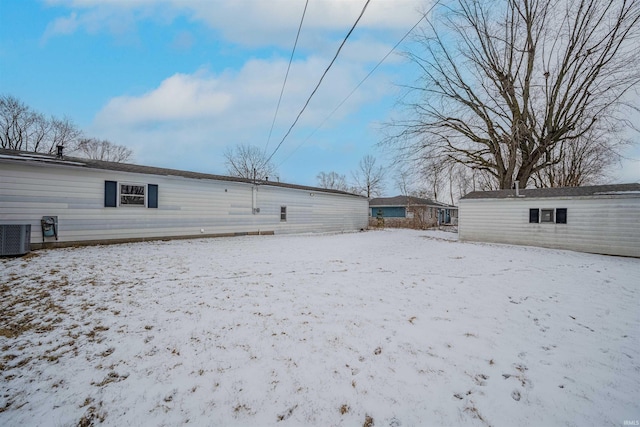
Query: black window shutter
pixel 534 216
pixel 152 197
pixel 561 216
pixel 110 194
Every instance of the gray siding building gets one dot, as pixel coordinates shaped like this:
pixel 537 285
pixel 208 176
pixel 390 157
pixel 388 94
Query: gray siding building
pixel 413 212
pixel 90 201
pixel 602 219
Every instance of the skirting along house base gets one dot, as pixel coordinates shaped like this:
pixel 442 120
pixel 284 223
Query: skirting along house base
pixel 70 201
pixel 602 219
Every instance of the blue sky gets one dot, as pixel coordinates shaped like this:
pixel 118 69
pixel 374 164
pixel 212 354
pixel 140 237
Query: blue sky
pixel 179 81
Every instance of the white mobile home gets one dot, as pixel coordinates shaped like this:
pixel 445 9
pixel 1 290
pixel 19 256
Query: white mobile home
pixel 602 219
pixel 79 201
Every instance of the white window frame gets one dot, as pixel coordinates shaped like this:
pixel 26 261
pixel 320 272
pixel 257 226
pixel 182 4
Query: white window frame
pixel 552 218
pixel 283 212
pixel 137 196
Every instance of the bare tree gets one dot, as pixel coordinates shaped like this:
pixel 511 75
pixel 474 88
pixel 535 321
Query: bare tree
pixel 333 181
pixel 402 180
pixel 508 87
pixel 40 133
pixel 96 149
pixel 430 179
pixel 24 129
pixel 434 172
pixel 63 132
pixel 248 161
pixel 581 162
pixel 368 178
pixel 16 122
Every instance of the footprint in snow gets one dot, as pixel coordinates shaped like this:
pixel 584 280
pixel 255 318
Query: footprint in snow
pixel 480 379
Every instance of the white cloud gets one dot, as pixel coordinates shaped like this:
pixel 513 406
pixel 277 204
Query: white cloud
pixel 186 120
pixel 246 22
pixel 63 25
pixel 253 23
pixel 197 115
pixel 180 97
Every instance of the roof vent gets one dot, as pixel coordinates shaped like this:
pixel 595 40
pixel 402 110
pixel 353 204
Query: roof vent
pixel 59 152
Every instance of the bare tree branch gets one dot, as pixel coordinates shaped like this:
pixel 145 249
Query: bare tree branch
pixel 506 88
pixel 248 161
pixel 24 129
pixel 368 178
pixel 96 149
pixel 333 181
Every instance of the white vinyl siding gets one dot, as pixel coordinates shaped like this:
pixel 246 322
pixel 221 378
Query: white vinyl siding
pixel 606 224
pixel 186 207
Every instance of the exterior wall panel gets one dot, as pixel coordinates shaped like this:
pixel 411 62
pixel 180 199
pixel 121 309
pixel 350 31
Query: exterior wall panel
pixel 599 224
pixel 185 206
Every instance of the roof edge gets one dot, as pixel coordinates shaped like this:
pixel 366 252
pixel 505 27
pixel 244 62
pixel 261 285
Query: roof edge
pixel 584 191
pixel 79 162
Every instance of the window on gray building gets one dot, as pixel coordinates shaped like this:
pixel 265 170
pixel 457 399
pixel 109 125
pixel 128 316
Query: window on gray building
pixel 546 215
pixel 130 194
pixel 557 216
pixel 561 216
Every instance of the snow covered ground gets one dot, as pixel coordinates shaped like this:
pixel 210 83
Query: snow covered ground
pixel 384 328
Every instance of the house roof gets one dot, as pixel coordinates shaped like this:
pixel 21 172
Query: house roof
pixel 406 201
pixel 24 156
pixel 592 190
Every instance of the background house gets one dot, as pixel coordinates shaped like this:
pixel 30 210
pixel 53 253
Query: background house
pixel 91 201
pixel 411 212
pixel 601 219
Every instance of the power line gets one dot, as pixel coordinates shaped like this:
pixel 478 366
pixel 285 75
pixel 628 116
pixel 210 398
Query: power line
pixel 424 15
pixel 320 81
pixel 286 75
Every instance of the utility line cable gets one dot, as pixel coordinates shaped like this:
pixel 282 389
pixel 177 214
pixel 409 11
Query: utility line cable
pixel 286 75
pixel 319 82
pixel 357 86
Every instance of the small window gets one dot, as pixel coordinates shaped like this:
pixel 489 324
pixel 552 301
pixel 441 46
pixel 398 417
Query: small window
pixel 546 215
pixel 110 194
pixel 561 216
pixel 283 213
pixel 534 216
pixel 132 195
pixel 152 196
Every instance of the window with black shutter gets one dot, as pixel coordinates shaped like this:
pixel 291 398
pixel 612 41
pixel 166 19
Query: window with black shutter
pixel 130 194
pixel 152 196
pixel 561 216
pixel 556 216
pixel 110 194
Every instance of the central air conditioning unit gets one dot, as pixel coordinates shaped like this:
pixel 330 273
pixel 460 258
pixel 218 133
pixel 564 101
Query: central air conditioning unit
pixel 15 239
